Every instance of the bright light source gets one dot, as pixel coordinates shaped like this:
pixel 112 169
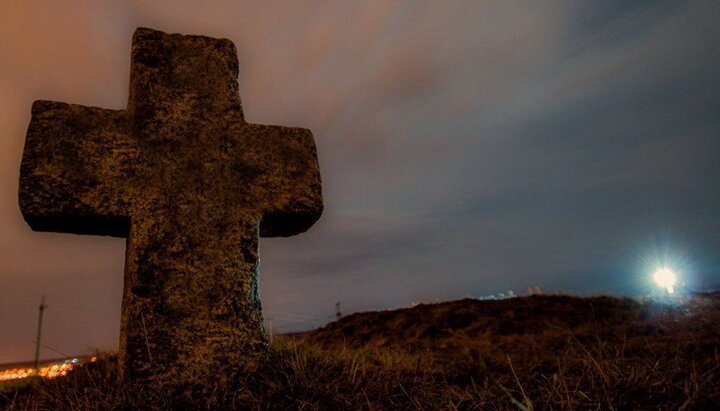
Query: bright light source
pixel 665 278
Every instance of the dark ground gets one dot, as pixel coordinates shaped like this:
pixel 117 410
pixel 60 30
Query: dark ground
pixel 536 352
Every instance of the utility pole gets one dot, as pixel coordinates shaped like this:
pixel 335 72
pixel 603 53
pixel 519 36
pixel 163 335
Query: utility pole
pixel 338 314
pixel 39 330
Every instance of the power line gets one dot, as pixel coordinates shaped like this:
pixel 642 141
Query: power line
pixel 54 350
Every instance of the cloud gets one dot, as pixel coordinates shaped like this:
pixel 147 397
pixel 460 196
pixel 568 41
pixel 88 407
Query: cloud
pixel 466 148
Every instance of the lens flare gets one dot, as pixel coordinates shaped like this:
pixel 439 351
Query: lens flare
pixel 665 278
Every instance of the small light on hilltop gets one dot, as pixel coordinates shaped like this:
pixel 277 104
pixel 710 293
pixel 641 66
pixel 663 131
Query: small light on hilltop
pixel 665 278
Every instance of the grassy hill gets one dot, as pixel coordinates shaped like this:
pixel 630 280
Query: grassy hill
pixel 454 322
pixel 536 352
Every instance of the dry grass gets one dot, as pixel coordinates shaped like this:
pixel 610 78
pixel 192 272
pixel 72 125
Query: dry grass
pixel 542 352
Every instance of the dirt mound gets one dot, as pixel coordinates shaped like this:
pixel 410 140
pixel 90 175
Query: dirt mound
pixel 440 324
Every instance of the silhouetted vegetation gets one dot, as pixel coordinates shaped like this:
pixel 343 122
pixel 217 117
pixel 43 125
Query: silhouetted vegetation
pixel 538 352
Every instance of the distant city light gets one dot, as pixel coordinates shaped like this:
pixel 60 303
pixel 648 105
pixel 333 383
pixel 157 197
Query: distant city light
pixel 50 371
pixel 665 278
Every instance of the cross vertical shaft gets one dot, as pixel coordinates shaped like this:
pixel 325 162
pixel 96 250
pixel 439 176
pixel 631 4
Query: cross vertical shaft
pixel 192 186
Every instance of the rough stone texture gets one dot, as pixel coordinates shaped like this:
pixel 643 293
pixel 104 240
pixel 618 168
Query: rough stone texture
pixel 191 185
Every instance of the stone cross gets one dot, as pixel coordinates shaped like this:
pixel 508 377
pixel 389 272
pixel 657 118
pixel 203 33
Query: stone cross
pixel 191 185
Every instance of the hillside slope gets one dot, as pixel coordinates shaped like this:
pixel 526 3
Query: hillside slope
pixel 435 325
pixel 537 352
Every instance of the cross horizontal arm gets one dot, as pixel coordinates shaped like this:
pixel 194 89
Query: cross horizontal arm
pixel 76 163
pixel 290 183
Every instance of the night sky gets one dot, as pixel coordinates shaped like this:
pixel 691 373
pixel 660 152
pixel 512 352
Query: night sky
pixel 466 148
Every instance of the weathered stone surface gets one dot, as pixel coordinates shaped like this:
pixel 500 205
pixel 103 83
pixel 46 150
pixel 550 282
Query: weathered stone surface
pixel 191 185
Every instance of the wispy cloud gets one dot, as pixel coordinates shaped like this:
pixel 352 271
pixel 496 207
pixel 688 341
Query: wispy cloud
pixel 466 148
